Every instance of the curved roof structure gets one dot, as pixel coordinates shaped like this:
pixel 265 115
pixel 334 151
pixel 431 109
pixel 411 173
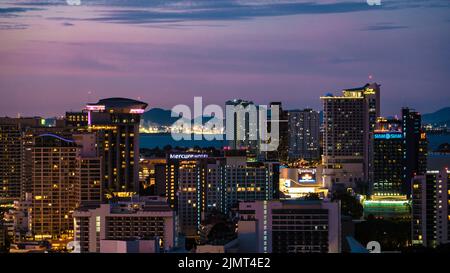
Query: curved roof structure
pixel 120 103
pixel 56 136
pixel 52 140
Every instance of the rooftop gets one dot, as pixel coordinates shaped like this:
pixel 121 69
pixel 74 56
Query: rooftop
pixel 114 103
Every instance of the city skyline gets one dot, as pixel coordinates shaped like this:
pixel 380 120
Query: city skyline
pixel 57 57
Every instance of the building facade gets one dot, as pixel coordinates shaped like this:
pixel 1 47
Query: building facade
pixel 197 184
pixel 304 130
pixel 291 226
pixel 348 121
pixel 55 186
pixel 431 208
pixel 12 157
pixel 116 121
pixel 388 161
pixel 144 219
pixel 415 150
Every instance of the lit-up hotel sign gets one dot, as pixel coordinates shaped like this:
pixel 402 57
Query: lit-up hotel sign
pixel 388 136
pixel 307 176
pixel 95 107
pixel 137 111
pixel 187 156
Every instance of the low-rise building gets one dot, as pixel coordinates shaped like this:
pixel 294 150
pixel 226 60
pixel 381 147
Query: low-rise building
pixel 145 219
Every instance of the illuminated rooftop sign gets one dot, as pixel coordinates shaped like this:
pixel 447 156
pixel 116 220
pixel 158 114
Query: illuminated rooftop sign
pixel 137 111
pixel 95 107
pixel 187 156
pixel 388 136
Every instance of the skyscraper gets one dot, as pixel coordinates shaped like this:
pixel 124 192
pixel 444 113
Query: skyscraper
pixel 55 178
pixel 246 181
pixel 304 128
pixel 348 122
pixel 12 156
pixel 388 160
pixel 186 188
pixel 431 208
pixel 244 137
pixel 116 120
pixel 197 184
pixel 415 150
pixel 281 152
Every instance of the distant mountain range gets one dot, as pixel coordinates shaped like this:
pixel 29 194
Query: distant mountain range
pixel 440 117
pixel 158 116
pixel 162 117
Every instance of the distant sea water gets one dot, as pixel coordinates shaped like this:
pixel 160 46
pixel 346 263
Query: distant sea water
pixel 151 141
pixel 435 140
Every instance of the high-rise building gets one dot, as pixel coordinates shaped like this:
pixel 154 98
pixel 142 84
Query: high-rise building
pixel 290 226
pixel 348 122
pixel 415 151
pixel 197 184
pixel 187 183
pixel 388 149
pixel 90 168
pixel 244 138
pixel 55 181
pixel 281 153
pixel 247 123
pixel 66 173
pixel 246 181
pixel 431 208
pixel 90 180
pixel 304 129
pixel 12 156
pixel 143 219
pixel 116 120
pixel 29 139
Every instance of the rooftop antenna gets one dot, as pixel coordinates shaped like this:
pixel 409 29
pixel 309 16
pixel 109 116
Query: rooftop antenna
pixel 89 96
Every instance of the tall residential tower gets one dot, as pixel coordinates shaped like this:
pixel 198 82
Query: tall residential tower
pixel 348 121
pixel 116 120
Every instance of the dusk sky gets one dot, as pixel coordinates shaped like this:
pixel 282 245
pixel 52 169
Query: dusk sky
pixel 55 57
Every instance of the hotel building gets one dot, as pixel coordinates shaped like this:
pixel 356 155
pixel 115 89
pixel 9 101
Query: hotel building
pixel 415 151
pixel 12 156
pixel 304 129
pixel 96 228
pixel 348 121
pixel 66 173
pixel 197 184
pixel 431 208
pixel 388 161
pixel 290 226
pixel 116 121
pixel 55 186
pixel 243 137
